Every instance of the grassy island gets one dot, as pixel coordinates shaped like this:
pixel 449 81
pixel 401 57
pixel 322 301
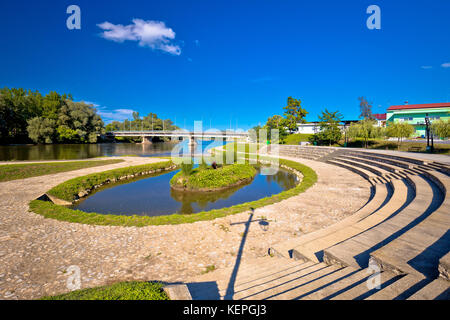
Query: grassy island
pixel 205 179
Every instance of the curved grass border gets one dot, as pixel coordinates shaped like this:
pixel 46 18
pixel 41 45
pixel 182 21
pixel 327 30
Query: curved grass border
pixel 69 190
pixel 53 211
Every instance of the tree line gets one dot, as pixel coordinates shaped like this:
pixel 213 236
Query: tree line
pixel 148 122
pixel 29 116
pixel 330 125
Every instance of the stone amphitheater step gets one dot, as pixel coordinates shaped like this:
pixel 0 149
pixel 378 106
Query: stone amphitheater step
pixel 248 271
pixel 438 289
pixel 423 164
pixel 313 250
pixel 395 162
pixel 361 290
pixel 355 251
pixel 374 163
pixel 370 176
pixel 419 249
pixel 289 287
pixel 353 278
pixel 399 290
pixel 285 248
pixel 374 168
pixel 444 267
pixel 396 157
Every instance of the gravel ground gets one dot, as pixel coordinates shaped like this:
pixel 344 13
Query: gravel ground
pixel 35 252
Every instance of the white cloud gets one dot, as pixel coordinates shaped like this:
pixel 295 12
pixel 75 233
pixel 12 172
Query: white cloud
pixel 115 114
pixel 426 67
pixel 445 65
pixel 95 105
pixel 152 34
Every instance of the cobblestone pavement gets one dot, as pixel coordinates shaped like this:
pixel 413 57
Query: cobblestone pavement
pixel 35 252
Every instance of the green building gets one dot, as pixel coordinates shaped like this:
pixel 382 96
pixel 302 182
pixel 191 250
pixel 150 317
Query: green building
pixel 415 114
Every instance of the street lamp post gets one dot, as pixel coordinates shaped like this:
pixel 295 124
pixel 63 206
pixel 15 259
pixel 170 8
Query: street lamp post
pixel 429 133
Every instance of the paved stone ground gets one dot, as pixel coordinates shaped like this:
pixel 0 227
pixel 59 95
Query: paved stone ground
pixel 35 252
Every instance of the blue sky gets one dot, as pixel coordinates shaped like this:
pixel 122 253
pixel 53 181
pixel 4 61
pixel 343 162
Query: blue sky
pixel 223 61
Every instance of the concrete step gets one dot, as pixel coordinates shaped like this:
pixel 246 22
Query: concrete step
pixel 277 286
pixel 301 290
pixel 418 250
pixel 285 248
pixel 354 162
pixel 399 290
pixel 256 279
pixel 374 163
pixel 438 289
pixel 314 249
pixel 358 170
pixel 353 277
pixel 362 290
pixel 396 157
pixel 356 250
pixel 395 162
pixel 207 286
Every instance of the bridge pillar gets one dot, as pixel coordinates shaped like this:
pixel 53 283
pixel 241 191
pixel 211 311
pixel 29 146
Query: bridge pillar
pixel 192 144
pixel 147 140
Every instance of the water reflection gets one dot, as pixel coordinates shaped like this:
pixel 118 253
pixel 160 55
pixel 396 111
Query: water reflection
pixel 84 151
pixel 153 196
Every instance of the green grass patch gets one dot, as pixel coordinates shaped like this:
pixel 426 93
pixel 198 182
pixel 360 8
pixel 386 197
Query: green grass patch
pixel 210 179
pixel 10 172
pixel 296 138
pixel 69 190
pixel 50 210
pixel 133 290
pixel 440 148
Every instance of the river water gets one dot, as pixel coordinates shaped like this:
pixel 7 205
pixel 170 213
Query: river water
pixel 153 196
pixel 85 151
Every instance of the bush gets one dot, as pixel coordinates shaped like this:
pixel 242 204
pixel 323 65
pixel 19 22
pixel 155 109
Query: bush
pixel 215 179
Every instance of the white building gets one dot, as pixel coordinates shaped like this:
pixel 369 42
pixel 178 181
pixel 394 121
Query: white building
pixel 308 128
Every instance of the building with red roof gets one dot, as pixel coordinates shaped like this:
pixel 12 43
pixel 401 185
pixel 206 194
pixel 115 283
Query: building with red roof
pixel 415 114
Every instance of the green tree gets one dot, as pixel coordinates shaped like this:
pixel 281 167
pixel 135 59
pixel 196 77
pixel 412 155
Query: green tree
pixel 41 130
pixel 294 114
pixel 364 129
pixel 399 130
pixel 81 118
pixel 329 126
pixel 441 128
pixel 276 122
pixel 365 109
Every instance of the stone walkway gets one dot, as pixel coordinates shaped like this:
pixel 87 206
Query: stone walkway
pixel 35 252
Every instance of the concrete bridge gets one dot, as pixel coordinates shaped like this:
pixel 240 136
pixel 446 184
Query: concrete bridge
pixel 191 135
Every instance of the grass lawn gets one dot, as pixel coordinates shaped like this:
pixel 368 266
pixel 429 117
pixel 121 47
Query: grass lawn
pixel 296 138
pixel 440 148
pixel 10 172
pixel 134 290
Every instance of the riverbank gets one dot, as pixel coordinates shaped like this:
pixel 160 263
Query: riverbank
pixel 10 172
